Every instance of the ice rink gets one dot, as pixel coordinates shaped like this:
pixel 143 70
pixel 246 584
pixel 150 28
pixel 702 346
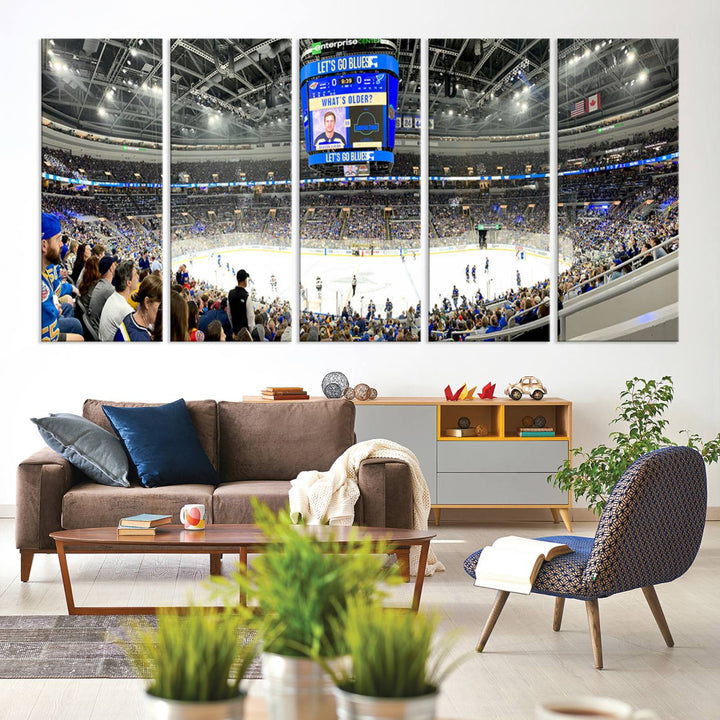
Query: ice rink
pixel 378 276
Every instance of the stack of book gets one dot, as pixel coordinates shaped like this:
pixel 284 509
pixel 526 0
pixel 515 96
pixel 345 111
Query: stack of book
pixel 284 393
pixel 144 524
pixel 536 432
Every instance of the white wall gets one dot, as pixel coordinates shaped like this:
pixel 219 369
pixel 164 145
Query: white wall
pixel 37 380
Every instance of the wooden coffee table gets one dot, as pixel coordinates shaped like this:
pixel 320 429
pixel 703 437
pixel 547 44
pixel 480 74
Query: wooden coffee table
pixel 214 541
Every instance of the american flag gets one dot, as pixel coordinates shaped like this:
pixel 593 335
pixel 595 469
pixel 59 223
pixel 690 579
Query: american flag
pixel 577 109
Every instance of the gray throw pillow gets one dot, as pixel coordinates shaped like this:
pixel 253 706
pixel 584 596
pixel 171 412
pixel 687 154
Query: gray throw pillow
pixel 98 453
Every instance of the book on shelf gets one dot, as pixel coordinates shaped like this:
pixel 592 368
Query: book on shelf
pixel 129 530
pixel 284 390
pixel 512 563
pixel 285 396
pixel 460 432
pixel 145 520
pixel 524 432
pixel 536 429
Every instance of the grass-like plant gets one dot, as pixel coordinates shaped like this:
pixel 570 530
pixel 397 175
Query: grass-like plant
pixel 392 653
pixel 200 655
pixel 302 585
pixel 643 404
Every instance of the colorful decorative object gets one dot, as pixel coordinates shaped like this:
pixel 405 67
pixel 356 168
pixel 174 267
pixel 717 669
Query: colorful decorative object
pixel 540 421
pixel 468 394
pixel 527 421
pixel 334 384
pixel 463 423
pixel 481 430
pixel 526 385
pixel 452 396
pixel 488 392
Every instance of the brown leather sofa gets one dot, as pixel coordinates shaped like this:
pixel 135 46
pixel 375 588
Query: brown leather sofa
pixel 256 448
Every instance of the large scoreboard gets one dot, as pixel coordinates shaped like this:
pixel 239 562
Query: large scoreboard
pixel 349 102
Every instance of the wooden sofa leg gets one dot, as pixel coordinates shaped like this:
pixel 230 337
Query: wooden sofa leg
pixel 26 561
pixel 500 600
pixel 557 615
pixel 593 615
pixel 654 603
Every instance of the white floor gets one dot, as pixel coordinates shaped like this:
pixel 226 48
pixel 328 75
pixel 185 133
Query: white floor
pixel 378 276
pixel 524 659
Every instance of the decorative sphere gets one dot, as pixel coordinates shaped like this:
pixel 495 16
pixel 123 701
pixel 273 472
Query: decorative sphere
pixel 539 421
pixel 527 421
pixel 349 393
pixel 464 423
pixel 481 430
pixel 337 379
pixel 373 394
pixel 362 391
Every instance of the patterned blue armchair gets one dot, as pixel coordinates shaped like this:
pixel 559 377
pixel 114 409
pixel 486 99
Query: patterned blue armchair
pixel 649 533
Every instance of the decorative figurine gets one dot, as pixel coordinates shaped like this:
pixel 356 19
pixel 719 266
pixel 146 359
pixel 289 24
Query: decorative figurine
pixel 488 392
pixel 526 385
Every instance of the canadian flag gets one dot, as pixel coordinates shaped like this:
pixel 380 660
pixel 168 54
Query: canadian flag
pixel 593 103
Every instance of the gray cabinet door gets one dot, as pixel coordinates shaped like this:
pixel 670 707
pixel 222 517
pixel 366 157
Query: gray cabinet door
pixel 509 456
pixel 498 488
pixel 414 426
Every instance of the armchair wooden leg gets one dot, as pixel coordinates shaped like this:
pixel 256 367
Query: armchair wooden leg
pixel 500 600
pixel 593 615
pixel 26 561
pixel 654 603
pixel 557 615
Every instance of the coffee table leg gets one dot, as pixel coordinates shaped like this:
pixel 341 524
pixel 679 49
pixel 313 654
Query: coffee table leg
pixel 216 563
pixel 422 564
pixel 403 558
pixel 62 559
pixel 242 569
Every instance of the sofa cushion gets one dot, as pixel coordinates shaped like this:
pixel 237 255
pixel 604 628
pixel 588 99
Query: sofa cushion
pixel 202 412
pixel 232 501
pixel 98 453
pixel 278 440
pixel 162 442
pixel 90 505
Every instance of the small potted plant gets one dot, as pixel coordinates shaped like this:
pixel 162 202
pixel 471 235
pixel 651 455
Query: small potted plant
pixel 642 405
pixel 195 660
pixel 302 586
pixel 394 669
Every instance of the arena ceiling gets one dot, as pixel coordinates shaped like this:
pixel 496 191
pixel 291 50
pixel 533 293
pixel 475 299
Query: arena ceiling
pixel 239 91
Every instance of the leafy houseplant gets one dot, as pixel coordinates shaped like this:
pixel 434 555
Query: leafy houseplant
pixel 643 403
pixel 195 658
pixel 302 586
pixel 392 662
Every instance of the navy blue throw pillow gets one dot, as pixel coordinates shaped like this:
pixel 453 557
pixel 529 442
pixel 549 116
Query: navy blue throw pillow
pixel 163 444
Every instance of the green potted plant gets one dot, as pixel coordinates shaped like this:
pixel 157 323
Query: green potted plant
pixel 642 406
pixel 302 586
pixel 195 659
pixel 394 670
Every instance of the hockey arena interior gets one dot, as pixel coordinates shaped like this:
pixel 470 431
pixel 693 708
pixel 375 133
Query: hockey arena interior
pixel 494 270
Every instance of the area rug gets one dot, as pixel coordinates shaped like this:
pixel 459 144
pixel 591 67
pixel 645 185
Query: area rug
pixel 68 646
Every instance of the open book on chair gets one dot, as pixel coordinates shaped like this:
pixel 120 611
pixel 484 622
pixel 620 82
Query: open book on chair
pixel 512 563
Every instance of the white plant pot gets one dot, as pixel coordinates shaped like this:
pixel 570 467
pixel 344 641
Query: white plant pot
pixel 363 707
pixel 296 689
pixel 161 709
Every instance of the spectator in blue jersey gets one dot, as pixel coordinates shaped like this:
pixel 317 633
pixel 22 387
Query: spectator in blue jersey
pixel 144 261
pixel 329 140
pixel 139 325
pixel 50 244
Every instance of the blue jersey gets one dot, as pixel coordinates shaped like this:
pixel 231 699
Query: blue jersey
pixel 323 142
pixel 130 331
pixel 50 312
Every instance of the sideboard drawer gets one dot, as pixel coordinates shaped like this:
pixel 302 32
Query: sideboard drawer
pixel 509 456
pixel 510 488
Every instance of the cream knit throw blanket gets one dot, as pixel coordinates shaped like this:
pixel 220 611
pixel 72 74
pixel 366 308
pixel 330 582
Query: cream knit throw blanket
pixel 329 497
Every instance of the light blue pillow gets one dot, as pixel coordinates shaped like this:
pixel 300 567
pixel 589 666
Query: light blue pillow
pixel 98 453
pixel 162 442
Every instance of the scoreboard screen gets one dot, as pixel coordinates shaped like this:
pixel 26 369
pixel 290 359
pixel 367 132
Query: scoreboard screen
pixel 349 106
